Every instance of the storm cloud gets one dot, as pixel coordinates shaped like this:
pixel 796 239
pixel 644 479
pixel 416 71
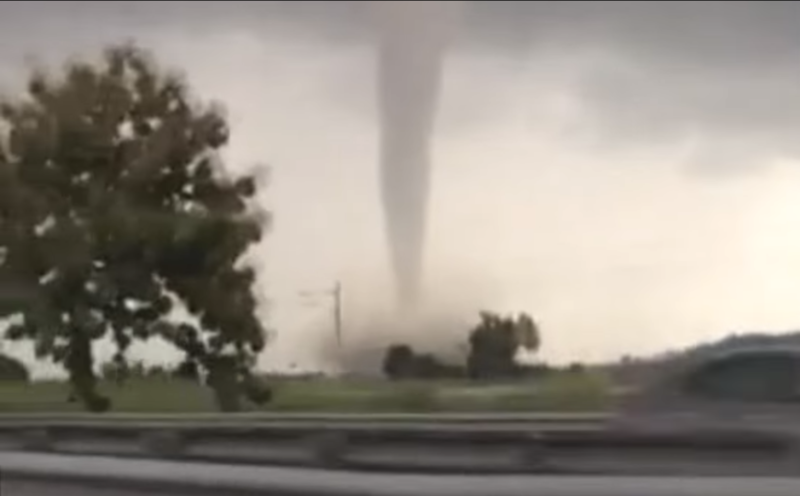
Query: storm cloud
pixel 642 73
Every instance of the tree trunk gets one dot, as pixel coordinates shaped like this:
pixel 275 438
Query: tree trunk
pixel 81 374
pixel 224 381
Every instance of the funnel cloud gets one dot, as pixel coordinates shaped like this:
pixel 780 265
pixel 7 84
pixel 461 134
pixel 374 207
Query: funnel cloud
pixel 411 44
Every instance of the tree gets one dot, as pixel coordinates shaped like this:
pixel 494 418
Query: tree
pixel 13 370
pixel 187 370
pixel 526 333
pixel 401 362
pixel 494 343
pixel 429 366
pixel 576 368
pixel 398 361
pixel 113 207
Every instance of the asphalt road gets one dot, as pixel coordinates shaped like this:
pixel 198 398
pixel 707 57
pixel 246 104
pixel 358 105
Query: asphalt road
pixel 34 488
pixel 606 487
pixel 179 479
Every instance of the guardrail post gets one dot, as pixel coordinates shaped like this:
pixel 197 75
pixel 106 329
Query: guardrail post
pixel 163 443
pixel 330 448
pixel 36 440
pixel 534 452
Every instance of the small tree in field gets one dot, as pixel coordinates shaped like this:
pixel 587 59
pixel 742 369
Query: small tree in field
pixel 398 361
pixel 113 206
pixel 495 342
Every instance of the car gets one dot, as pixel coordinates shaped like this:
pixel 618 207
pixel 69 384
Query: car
pixel 753 388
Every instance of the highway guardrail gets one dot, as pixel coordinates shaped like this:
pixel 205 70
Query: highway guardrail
pixel 504 447
pixel 439 418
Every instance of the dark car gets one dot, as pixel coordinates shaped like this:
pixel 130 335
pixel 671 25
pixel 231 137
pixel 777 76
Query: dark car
pixel 755 388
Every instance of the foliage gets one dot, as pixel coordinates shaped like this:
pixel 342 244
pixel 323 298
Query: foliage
pixel 429 366
pixel 397 362
pixel 257 391
pixel 495 342
pixel 401 362
pixel 536 371
pixel 493 347
pixel 113 205
pixel 187 370
pixel 13 370
pixel 576 368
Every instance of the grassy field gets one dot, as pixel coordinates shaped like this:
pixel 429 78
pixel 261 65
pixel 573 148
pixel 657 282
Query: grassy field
pixel 558 392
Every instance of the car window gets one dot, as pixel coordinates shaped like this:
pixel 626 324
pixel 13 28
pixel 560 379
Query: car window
pixel 753 377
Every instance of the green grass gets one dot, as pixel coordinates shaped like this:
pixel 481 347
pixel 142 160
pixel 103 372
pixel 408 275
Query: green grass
pixel 135 396
pixel 558 392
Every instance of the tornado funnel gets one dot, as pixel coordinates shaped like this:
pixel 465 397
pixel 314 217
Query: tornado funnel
pixel 411 42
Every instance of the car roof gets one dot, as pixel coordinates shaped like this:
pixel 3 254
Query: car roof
pixel 682 366
pixel 751 349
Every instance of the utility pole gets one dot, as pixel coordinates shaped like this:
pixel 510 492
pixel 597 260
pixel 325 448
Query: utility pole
pixel 337 312
pixel 336 294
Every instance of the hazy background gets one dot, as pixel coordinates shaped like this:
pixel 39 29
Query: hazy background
pixel 626 172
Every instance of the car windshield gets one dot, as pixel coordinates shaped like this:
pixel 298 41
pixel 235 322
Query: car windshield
pixel 375 235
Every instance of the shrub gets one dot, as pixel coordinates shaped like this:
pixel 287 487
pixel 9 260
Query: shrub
pixel 13 370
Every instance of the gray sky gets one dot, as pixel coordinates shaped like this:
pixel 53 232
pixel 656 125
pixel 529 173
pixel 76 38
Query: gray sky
pixel 625 171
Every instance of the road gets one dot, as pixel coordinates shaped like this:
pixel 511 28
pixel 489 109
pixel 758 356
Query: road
pixel 46 476
pixel 33 488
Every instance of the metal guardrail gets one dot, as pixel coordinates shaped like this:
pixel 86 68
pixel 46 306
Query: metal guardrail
pixel 386 422
pixel 501 447
pixel 358 444
pixel 439 418
pixel 25 474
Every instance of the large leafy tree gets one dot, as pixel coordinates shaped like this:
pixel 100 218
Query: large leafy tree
pixel 113 206
pixel 495 342
pixel 398 361
pixel 12 370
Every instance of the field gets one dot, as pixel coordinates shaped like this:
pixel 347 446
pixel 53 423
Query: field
pixel 558 392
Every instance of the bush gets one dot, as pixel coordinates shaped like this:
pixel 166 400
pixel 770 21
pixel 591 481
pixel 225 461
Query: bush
pixel 398 361
pixel 187 370
pixel 537 371
pixel 401 362
pixel 576 368
pixel 12 370
pixel 257 391
pixel 97 403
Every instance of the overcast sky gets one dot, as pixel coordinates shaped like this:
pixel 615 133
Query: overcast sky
pixel 627 172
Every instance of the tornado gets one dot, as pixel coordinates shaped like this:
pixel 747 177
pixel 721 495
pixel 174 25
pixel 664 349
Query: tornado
pixel 412 37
